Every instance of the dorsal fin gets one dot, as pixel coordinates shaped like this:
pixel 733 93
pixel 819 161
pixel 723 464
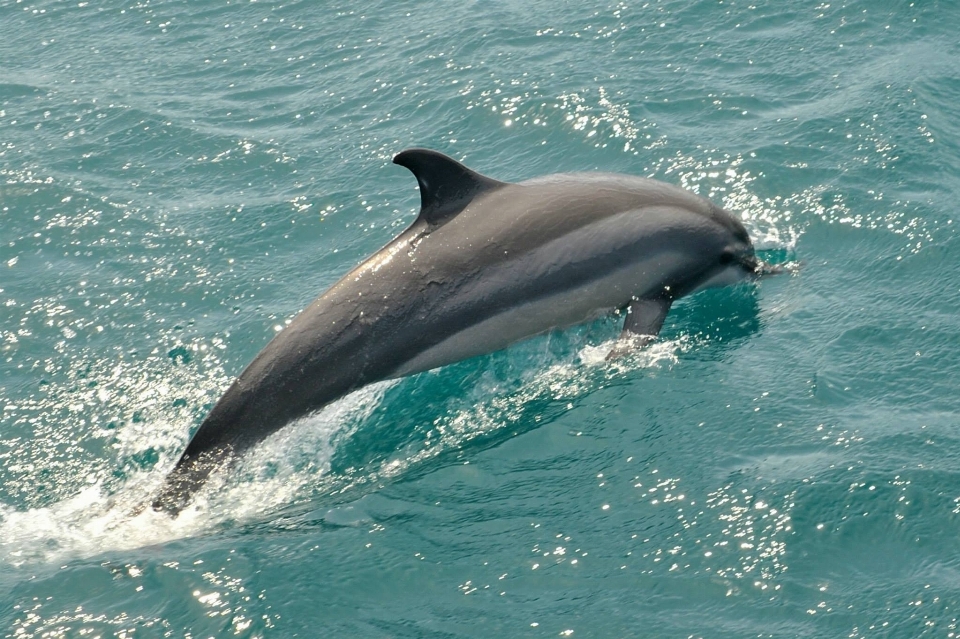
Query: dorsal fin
pixel 446 186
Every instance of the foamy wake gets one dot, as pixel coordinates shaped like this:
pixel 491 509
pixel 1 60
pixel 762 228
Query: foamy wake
pixel 95 521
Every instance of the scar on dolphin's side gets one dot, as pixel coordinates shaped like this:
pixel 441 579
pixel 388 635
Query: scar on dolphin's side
pixel 485 264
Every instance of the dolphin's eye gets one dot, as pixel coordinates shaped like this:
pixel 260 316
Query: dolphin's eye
pixel 727 257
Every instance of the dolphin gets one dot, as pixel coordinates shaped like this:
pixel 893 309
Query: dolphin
pixel 485 264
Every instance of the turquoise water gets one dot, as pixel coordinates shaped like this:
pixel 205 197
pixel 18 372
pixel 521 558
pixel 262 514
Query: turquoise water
pixel 180 179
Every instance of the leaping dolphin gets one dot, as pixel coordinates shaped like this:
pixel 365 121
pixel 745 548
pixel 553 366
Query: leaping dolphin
pixel 485 264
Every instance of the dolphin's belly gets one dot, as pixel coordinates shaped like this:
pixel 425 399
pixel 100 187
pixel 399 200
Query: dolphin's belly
pixel 536 315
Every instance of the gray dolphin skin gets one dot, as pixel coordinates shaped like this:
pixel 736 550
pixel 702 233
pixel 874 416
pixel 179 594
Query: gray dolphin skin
pixel 485 264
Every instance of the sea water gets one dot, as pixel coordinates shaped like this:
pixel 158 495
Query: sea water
pixel 179 179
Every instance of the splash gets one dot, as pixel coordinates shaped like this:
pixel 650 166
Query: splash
pixel 100 518
pixel 508 401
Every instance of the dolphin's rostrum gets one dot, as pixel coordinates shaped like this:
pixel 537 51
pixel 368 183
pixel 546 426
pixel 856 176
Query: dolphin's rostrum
pixel 485 264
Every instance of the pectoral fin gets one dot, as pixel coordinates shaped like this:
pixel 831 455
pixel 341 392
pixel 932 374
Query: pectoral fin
pixel 644 319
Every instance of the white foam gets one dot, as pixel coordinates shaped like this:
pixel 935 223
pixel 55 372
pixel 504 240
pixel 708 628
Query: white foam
pixel 94 521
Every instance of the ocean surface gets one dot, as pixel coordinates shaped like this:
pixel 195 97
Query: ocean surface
pixel 179 179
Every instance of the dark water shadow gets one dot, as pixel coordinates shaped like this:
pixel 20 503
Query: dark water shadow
pixel 719 319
